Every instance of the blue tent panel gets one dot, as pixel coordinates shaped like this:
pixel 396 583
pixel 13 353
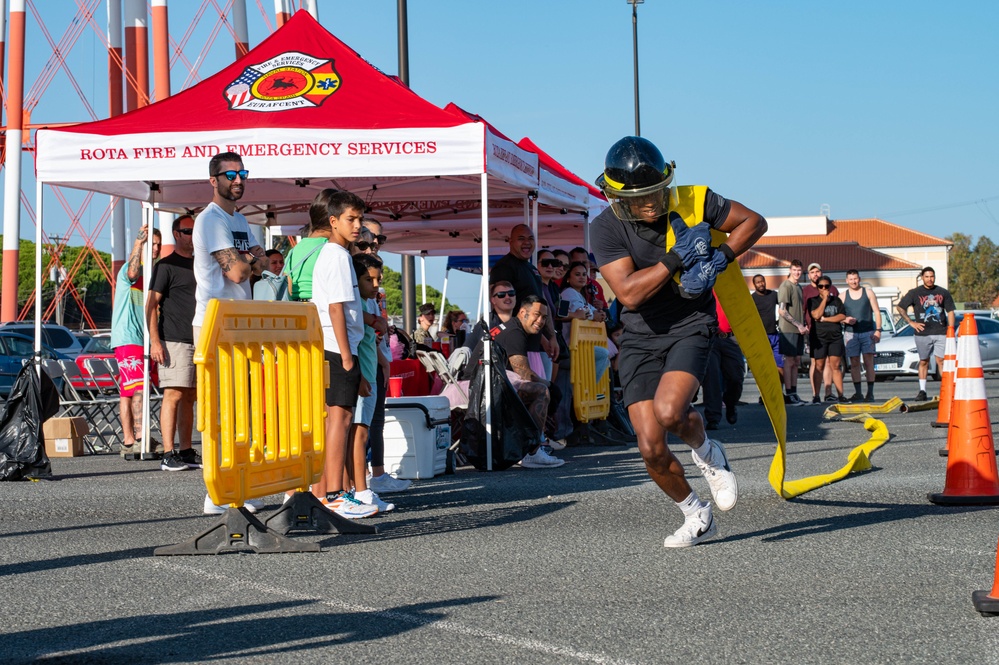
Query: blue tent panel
pixel 470 264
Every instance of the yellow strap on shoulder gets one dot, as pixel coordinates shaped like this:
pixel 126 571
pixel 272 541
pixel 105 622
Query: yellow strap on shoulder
pixel 731 291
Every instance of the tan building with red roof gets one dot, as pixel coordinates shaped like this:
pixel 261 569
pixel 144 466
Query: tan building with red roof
pixel 886 254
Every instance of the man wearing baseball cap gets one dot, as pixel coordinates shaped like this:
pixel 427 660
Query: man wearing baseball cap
pixel 424 322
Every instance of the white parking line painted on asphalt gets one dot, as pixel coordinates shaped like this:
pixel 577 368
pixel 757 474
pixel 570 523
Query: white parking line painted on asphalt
pixel 443 625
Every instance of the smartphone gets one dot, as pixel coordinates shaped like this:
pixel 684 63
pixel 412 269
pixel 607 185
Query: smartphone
pixel 563 309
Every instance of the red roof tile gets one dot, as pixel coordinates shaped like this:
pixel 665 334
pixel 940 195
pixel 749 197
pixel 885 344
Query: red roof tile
pixel 834 257
pixel 867 232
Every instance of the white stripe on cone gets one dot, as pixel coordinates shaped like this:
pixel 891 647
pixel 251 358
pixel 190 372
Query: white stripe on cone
pixel 968 389
pixel 968 352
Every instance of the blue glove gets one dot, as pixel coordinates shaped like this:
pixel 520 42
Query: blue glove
pixel 701 277
pixel 693 243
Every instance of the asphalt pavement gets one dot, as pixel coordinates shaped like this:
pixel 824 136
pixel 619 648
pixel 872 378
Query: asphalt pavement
pixel 542 566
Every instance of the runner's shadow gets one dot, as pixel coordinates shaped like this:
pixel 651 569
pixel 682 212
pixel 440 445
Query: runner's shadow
pixel 882 513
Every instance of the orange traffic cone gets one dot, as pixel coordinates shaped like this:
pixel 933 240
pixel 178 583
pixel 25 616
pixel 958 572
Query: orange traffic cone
pixel 947 380
pixel 987 603
pixel 972 478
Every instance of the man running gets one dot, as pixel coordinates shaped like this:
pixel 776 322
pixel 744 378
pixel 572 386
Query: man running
pixel 668 326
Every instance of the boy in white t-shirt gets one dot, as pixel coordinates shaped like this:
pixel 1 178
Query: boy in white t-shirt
pixel 335 294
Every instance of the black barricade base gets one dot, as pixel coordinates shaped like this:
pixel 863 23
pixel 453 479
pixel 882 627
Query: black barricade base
pixel 237 531
pixel 304 512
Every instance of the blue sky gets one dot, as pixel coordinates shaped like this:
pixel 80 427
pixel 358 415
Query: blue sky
pixel 883 109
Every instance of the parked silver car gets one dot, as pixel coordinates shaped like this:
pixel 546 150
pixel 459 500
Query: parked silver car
pixel 897 355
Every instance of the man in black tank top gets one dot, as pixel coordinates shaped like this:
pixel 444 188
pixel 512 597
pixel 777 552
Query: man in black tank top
pixel 863 332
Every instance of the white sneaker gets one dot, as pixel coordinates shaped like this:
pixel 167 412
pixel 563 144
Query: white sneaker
pixel 386 484
pixel 724 488
pixel 252 505
pixel 699 527
pixel 372 499
pixel 540 460
pixel 346 505
pixel 556 444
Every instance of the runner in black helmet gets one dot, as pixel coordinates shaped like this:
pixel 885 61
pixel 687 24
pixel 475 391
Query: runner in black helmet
pixel 668 323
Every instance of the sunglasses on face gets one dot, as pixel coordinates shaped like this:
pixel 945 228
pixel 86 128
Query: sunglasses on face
pixel 551 263
pixel 822 286
pixel 381 239
pixel 363 245
pixel 231 175
pixel 187 232
pixel 505 294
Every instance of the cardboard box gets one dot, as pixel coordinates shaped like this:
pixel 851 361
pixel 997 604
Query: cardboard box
pixel 64 436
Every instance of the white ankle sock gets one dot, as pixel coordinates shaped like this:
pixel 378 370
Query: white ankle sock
pixel 690 505
pixel 364 497
pixel 703 450
pixel 922 385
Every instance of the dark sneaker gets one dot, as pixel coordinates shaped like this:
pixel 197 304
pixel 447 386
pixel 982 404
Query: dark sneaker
pixel 711 425
pixel 128 450
pixel 794 400
pixel 731 414
pixel 869 397
pixel 830 398
pixel 921 396
pixel 843 399
pixel 191 458
pixel 173 462
pixel 857 397
pixel 816 399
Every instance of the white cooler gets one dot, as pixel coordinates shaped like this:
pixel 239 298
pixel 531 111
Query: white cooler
pixel 417 436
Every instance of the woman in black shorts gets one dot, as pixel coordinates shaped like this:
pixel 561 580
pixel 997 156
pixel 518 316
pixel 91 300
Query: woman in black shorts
pixel 827 338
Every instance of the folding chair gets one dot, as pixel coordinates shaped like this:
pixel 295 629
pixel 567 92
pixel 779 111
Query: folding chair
pixel 435 363
pixel 103 378
pixel 101 413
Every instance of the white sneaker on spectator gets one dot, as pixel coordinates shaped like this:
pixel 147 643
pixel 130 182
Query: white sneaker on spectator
pixel 347 505
pixel 386 484
pixel 556 444
pixel 696 528
pixel 539 459
pixel 252 505
pixel 721 480
pixel 372 499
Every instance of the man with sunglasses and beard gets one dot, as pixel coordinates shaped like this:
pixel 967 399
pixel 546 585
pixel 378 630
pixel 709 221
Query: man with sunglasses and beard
pixel 225 253
pixel 669 325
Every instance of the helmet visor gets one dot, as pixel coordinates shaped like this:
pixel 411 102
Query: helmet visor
pixel 645 205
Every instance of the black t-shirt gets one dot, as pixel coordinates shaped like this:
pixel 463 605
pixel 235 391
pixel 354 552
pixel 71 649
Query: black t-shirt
pixel 511 337
pixel 173 278
pixel 521 273
pixel 930 307
pixel 827 331
pixel 809 291
pixel 766 305
pixel 645 244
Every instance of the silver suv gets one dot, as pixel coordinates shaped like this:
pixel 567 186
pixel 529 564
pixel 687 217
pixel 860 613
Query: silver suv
pixel 53 336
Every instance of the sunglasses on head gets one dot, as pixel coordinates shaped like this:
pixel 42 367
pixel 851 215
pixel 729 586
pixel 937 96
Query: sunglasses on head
pixel 363 245
pixel 187 232
pixel 505 294
pixel 551 263
pixel 231 175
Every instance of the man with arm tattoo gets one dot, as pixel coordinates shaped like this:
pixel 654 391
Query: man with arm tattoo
pixel 126 340
pixel 225 253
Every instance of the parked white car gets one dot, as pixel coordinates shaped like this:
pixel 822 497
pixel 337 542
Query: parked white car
pixel 897 355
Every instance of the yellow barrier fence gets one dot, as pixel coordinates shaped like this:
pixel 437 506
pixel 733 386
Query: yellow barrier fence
pixel 590 398
pixel 262 378
pixel 261 398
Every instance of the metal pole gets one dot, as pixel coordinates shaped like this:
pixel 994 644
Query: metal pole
pixel 634 39
pixel 408 262
pixel 12 165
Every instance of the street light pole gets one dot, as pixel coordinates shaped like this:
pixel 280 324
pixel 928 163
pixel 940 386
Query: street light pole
pixel 634 39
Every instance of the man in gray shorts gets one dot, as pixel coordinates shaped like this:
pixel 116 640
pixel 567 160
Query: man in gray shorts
pixel 863 332
pixel 933 310
pixel 171 345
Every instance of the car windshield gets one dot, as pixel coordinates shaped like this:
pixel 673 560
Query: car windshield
pixel 98 345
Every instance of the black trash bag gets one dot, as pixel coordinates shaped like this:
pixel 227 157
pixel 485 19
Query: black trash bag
pixel 514 430
pixel 22 449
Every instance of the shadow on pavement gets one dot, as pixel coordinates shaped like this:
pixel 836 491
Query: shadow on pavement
pixel 222 633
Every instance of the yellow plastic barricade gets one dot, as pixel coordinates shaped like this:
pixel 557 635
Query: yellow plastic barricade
pixel 590 399
pixel 262 378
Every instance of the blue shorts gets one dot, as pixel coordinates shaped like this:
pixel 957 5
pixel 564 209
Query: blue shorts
pixel 775 346
pixel 365 410
pixel 858 343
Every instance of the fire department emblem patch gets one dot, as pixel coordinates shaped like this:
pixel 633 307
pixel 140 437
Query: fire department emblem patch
pixel 291 80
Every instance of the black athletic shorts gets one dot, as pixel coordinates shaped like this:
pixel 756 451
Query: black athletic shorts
pixel 344 385
pixel 823 348
pixel 644 359
pixel 791 344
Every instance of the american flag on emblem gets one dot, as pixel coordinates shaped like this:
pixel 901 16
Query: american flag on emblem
pixel 238 91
